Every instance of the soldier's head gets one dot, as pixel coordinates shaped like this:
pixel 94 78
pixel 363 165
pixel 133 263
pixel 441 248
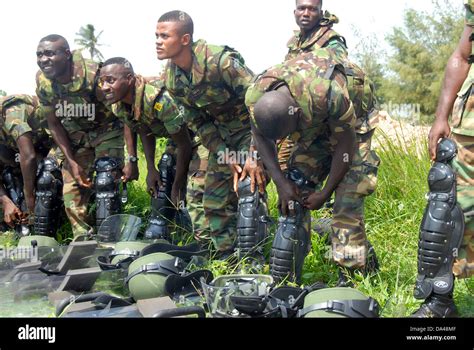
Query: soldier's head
pixel 117 80
pixel 174 34
pixel 308 14
pixel 276 114
pixel 54 57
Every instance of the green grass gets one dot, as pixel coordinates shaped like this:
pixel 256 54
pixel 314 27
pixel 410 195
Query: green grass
pixel 393 217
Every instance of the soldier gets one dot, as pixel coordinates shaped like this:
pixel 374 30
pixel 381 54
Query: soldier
pixel 211 81
pixel 88 135
pixel 147 109
pixel 348 234
pixel 24 142
pixel 458 83
pixel 305 99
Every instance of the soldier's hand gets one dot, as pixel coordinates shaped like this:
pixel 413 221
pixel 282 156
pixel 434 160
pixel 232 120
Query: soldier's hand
pixel 130 172
pixel 254 169
pixel 153 182
pixel 177 195
pixel 440 130
pixel 11 214
pixel 236 170
pixel 315 201
pixel 288 194
pixel 80 176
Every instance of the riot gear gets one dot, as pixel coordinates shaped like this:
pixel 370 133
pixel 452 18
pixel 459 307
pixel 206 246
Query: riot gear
pixel 108 199
pixel 162 210
pixel 49 188
pixel 442 227
pixel 292 240
pixel 252 221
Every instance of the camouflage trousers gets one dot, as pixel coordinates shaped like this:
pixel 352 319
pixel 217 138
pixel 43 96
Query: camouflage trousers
pixel 464 167
pixel 195 193
pixel 77 199
pixel 348 237
pixel 219 199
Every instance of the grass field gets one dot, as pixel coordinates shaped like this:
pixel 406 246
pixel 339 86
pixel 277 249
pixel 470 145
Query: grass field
pixel 393 216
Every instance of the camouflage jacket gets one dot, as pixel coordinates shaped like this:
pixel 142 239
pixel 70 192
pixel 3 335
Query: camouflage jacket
pixel 463 112
pixel 317 82
pixel 17 117
pixel 322 36
pixel 77 103
pixel 213 93
pixel 361 88
pixel 153 107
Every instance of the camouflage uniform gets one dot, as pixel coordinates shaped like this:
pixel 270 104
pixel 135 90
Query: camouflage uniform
pixel 93 131
pixel 155 108
pixel 318 84
pixel 214 94
pixel 361 181
pixel 17 118
pixel 463 134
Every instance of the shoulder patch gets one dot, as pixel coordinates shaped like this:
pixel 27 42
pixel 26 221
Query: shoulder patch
pixel 158 106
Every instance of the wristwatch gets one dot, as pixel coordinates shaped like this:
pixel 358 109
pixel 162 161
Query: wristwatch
pixel 132 159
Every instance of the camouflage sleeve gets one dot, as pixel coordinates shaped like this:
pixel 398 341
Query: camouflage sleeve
pixel 16 118
pixel 236 74
pixel 46 103
pixel 338 48
pixel 341 112
pixel 206 131
pixel 167 111
pixel 469 4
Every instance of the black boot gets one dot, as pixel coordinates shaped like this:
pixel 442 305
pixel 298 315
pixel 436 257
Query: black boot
pixel 437 306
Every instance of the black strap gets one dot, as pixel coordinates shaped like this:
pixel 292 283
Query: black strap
pixel 165 268
pixel 349 308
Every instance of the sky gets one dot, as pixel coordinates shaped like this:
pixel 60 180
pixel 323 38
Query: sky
pixel 259 29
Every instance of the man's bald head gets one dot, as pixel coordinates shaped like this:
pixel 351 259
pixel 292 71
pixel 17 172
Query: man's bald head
pixel 276 114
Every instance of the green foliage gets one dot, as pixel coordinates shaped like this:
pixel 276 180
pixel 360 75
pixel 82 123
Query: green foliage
pixel 88 40
pixel 3 93
pixel 421 49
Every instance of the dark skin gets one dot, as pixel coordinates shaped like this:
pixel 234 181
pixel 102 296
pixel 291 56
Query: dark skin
pixel 457 71
pixel 183 158
pixel 11 214
pixel 118 84
pixel 28 164
pixel 287 190
pixel 176 46
pixel 308 14
pixel 54 60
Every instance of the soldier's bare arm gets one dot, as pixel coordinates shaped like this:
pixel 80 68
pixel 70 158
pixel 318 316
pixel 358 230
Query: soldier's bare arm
pixel 183 158
pixel 153 180
pixel 341 124
pixel 28 164
pixel 130 171
pixel 457 70
pixel 62 140
pixel 287 190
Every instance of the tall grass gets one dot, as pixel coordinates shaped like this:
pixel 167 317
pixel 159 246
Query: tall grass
pixel 393 217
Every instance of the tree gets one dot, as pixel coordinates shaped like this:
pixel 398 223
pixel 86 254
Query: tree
pixel 370 57
pixel 3 93
pixel 421 49
pixel 88 40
